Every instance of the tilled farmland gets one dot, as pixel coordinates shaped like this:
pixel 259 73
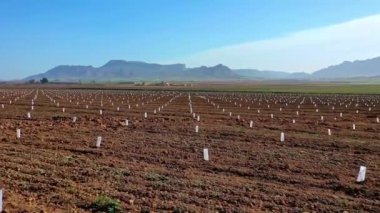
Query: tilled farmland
pixel 69 150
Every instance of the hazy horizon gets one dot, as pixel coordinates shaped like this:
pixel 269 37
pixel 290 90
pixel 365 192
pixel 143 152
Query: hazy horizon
pixel 290 36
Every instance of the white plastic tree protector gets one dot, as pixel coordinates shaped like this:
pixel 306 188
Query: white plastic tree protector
pixel 1 200
pixel 329 131
pixel 18 133
pixel 251 124
pixel 196 128
pixel 205 155
pixel 98 141
pixel 361 174
pixel 282 138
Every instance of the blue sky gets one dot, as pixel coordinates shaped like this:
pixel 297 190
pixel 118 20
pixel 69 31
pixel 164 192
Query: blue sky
pixel 36 35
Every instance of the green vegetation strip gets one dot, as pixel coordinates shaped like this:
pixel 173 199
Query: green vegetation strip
pixel 277 87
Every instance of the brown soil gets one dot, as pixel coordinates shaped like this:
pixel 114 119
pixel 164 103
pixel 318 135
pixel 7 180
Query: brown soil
pixel 156 164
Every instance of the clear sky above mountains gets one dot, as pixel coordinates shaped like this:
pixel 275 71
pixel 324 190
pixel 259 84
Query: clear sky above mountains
pixel 289 35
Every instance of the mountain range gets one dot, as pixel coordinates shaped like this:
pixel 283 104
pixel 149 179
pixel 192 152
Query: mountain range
pixel 120 70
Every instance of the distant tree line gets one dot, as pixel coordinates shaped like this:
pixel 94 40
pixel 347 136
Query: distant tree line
pixel 42 81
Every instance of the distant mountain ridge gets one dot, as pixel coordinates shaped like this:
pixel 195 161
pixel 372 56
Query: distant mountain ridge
pixel 347 69
pixel 120 70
